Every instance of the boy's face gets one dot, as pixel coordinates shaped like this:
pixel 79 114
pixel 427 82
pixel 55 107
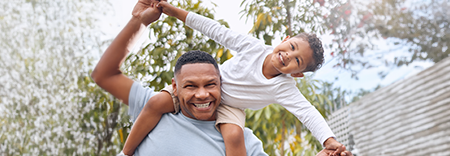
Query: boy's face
pixel 292 56
pixel 197 86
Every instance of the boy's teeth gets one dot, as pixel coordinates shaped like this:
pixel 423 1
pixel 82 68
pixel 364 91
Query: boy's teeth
pixel 202 105
pixel 281 58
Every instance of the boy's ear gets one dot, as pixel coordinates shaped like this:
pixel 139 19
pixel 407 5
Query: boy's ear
pixel 285 39
pixel 297 75
pixel 174 87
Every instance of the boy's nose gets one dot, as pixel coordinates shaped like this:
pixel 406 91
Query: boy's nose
pixel 286 55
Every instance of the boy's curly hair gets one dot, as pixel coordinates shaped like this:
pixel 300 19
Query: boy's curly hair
pixel 316 47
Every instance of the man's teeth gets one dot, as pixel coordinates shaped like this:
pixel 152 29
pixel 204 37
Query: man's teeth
pixel 202 105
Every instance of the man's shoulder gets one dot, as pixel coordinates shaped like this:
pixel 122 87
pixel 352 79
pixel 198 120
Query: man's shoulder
pixel 138 97
pixel 248 132
pixel 253 144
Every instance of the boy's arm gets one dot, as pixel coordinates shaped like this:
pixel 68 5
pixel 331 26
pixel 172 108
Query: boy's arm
pixel 289 96
pixel 213 29
pixel 107 73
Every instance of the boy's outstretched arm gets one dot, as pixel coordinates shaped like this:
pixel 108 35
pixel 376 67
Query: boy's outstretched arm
pixel 107 73
pixel 214 30
pixel 148 118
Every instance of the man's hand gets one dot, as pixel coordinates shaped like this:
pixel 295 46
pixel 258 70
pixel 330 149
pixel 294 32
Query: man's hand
pixel 332 144
pixel 146 11
pixel 327 152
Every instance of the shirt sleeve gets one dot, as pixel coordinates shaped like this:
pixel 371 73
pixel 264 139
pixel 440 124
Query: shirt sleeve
pixel 137 99
pixel 293 100
pixel 253 145
pixel 228 38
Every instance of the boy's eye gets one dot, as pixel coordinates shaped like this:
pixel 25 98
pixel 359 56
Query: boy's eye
pixel 292 47
pixel 298 62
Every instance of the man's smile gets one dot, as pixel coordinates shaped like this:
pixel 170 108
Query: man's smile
pixel 204 105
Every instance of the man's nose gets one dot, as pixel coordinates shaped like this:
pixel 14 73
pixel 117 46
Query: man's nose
pixel 201 93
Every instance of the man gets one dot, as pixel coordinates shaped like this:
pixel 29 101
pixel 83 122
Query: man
pixel 197 81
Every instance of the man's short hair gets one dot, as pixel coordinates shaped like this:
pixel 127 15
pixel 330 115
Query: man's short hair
pixel 195 56
pixel 316 47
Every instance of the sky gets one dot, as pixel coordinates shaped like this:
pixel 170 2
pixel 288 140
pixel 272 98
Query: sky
pixel 229 11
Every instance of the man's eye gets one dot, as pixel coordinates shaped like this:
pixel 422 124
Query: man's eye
pixel 211 84
pixel 187 86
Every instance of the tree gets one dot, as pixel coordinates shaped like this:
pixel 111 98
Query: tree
pixel 336 95
pixel 47 49
pixel 413 30
pixel 422 26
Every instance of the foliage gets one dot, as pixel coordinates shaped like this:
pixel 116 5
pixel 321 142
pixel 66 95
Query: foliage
pixel 281 18
pixel 46 50
pixel 413 30
pixel 422 26
pixel 280 131
pixel 336 95
pixel 105 118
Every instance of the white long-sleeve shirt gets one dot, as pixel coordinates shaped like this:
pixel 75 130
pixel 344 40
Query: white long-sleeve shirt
pixel 243 82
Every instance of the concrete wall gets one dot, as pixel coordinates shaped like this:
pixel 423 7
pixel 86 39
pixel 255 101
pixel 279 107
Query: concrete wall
pixel 410 117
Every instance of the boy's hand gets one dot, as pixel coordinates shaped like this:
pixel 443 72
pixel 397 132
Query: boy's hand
pixel 146 11
pixel 170 10
pixel 167 8
pixel 332 144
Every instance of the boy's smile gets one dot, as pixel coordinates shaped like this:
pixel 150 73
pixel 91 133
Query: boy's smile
pixel 281 59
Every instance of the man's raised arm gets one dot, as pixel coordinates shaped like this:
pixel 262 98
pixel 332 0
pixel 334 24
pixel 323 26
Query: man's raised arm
pixel 107 73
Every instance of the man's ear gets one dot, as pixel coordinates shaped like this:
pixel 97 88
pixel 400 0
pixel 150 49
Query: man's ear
pixel 174 87
pixel 285 39
pixel 297 75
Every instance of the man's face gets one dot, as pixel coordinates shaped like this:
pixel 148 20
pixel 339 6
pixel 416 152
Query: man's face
pixel 197 86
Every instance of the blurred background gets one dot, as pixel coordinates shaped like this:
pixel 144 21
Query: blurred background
pixel 384 86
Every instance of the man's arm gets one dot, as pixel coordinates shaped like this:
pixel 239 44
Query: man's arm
pixel 107 73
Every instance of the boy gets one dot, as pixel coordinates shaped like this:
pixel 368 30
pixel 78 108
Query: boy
pixel 254 78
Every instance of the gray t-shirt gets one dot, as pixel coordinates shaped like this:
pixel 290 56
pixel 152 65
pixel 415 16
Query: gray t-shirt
pixel 177 134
